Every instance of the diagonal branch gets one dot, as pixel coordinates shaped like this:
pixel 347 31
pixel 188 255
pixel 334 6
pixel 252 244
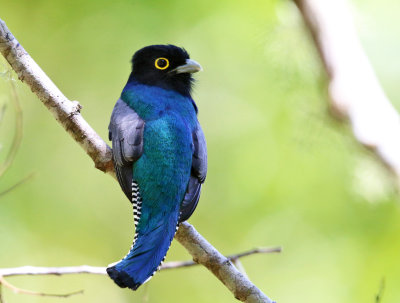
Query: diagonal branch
pixel 354 91
pixel 204 253
pixel 67 113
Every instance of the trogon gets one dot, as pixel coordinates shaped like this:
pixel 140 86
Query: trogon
pixel 159 154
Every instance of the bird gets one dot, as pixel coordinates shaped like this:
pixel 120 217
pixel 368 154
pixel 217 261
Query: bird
pixel 159 154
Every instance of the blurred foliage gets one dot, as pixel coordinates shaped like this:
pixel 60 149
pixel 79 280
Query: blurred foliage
pixel 281 172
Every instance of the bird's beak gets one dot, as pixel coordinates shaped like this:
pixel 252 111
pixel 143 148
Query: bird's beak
pixel 191 66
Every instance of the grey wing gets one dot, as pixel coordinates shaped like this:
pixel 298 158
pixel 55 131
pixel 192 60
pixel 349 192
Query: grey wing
pixel 197 177
pixel 126 133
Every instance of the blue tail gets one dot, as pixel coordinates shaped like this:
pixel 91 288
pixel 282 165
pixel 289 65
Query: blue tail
pixel 147 253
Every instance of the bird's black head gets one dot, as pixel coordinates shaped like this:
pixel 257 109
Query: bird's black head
pixel 166 66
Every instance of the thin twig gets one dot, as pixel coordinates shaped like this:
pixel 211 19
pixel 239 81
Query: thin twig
pixel 18 132
pixel 18 290
pixel 262 250
pixel 99 270
pixel 20 182
pixel 57 271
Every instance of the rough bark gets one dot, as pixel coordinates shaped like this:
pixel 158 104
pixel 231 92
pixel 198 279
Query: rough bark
pixel 204 253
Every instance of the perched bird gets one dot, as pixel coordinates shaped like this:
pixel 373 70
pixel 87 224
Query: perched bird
pixel 160 155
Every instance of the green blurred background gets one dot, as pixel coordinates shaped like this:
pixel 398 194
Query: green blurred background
pixel 281 171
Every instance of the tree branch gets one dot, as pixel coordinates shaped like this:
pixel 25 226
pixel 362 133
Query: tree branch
pixel 57 271
pixel 99 270
pixel 67 113
pixel 233 258
pixel 205 254
pixel 354 90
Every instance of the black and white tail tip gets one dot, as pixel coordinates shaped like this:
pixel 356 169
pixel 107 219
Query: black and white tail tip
pixel 136 202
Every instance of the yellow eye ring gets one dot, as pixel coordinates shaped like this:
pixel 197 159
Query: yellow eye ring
pixel 161 63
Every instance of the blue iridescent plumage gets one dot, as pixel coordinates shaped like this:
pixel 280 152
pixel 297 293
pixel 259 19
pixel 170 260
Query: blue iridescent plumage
pixel 159 155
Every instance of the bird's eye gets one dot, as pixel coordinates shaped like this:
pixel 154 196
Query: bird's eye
pixel 161 63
